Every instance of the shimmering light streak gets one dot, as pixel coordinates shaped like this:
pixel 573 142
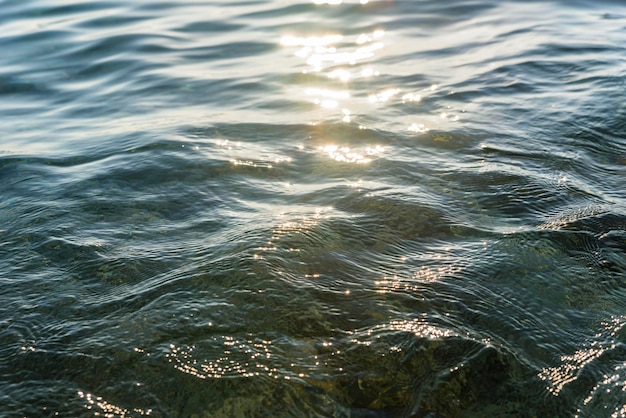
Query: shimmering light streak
pixel 225 143
pixel 301 225
pixel 421 328
pixel 249 155
pixel 411 97
pixel 346 115
pixel 101 407
pixel 321 51
pixel 418 128
pixel 347 155
pixel 245 358
pixel 383 96
pixel 343 75
pixel 249 163
pixel 412 284
pixel 559 376
pixel 364 38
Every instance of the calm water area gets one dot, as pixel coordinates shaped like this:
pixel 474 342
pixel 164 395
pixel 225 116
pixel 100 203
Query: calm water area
pixel 313 208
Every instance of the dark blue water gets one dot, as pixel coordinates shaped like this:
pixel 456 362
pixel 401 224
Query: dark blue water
pixel 313 208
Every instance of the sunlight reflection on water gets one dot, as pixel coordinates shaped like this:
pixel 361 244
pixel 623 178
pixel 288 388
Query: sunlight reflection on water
pixel 315 208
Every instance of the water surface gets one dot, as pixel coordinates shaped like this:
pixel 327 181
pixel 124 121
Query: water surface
pixel 296 208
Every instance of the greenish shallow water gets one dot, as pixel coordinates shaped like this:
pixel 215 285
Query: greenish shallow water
pixel 276 208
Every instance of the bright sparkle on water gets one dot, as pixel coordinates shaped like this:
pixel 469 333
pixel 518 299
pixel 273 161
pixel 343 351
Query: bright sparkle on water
pixel 348 155
pixel 315 208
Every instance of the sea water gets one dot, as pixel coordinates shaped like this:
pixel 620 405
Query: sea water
pixel 313 208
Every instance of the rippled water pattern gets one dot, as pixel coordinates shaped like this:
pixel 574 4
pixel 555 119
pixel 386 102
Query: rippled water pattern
pixel 313 208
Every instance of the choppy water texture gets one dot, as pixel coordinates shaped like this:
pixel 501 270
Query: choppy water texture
pixel 295 208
